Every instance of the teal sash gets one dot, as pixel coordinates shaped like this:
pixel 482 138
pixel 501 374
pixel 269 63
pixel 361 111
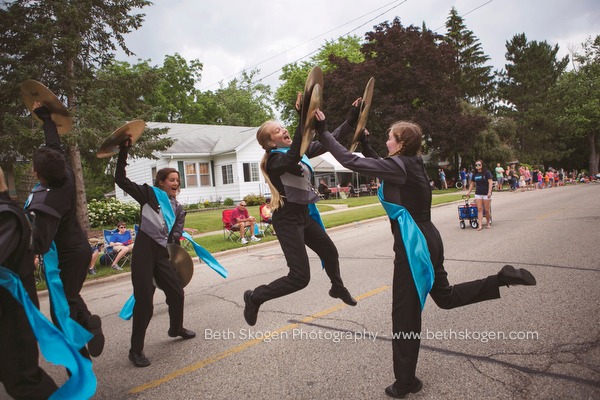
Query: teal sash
pixel 415 244
pixel 54 345
pixel 167 210
pixel 313 211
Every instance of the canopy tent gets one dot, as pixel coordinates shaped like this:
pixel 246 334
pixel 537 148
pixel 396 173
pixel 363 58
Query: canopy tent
pixel 327 164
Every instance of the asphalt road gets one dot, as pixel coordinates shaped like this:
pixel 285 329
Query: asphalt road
pixel 534 342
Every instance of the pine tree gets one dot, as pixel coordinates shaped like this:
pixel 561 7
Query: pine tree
pixel 473 78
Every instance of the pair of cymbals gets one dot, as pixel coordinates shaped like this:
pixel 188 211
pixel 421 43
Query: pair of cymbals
pixel 113 143
pixel 32 91
pixel 365 106
pixel 312 99
pixel 182 262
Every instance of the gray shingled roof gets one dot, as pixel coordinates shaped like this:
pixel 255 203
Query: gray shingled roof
pixel 204 139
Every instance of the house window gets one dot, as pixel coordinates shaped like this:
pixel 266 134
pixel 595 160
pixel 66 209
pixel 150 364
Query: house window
pixel 227 171
pixel 153 173
pixel 204 171
pixel 191 178
pixel 250 172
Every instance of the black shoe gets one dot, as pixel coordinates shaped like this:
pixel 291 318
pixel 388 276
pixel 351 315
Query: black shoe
pixel 343 295
pixel 392 391
pixel 184 333
pixel 96 344
pixel 92 271
pixel 508 275
pixel 251 309
pixel 138 359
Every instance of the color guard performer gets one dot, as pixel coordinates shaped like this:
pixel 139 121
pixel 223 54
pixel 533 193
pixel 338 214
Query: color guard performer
pixel 54 203
pixel 406 197
pixel 150 258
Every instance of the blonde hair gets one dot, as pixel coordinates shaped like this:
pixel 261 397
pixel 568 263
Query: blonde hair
pixel 263 136
pixel 409 136
pixel 3 187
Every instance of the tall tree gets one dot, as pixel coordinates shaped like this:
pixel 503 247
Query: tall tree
pixel 473 78
pixel 412 71
pixel 578 92
pixel 533 69
pixel 244 102
pixel 175 92
pixel 59 42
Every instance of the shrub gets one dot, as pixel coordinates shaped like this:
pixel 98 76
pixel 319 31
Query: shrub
pixel 254 200
pixel 110 211
pixel 228 201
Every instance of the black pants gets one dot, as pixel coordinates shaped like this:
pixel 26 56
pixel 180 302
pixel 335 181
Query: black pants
pixel 151 260
pixel 19 369
pixel 406 307
pixel 296 229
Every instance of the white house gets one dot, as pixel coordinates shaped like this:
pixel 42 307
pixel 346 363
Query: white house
pixel 215 162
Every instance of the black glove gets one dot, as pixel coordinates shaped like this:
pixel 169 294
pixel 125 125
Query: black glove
pixel 354 112
pixel 365 141
pixel 321 126
pixel 43 113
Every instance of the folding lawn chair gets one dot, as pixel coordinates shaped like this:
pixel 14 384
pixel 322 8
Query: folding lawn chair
pixel 228 233
pixel 109 250
pixel 265 226
pixel 183 242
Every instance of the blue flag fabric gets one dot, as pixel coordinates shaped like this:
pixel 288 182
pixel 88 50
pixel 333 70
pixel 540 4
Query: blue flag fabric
pixel 313 211
pixel 415 244
pixel 54 345
pixel 74 332
pixel 169 215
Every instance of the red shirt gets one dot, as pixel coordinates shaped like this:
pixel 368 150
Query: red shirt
pixel 238 214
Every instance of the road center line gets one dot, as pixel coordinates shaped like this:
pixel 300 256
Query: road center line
pixel 244 346
pixel 553 212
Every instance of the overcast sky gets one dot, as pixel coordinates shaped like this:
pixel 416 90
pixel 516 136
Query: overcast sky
pixel 229 36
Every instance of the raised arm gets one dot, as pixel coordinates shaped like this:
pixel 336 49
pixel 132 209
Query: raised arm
pixel 133 189
pixel 386 169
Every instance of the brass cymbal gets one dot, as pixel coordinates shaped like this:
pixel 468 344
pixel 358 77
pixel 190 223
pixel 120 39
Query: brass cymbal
pixel 32 91
pixel 308 131
pixel 315 76
pixel 365 106
pixel 182 262
pixel 113 143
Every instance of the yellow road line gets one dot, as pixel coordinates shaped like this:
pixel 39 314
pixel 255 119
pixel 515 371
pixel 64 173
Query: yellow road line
pixel 544 216
pixel 244 346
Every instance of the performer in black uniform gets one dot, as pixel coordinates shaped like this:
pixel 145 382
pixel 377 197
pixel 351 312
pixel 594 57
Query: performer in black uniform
pixel 19 369
pixel 54 203
pixel 405 183
pixel 292 192
pixel 150 258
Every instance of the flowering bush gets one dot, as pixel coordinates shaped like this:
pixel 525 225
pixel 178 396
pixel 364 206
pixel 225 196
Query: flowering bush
pixel 254 200
pixel 228 201
pixel 109 212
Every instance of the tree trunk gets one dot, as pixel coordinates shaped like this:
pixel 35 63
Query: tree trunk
pixel 594 155
pixel 82 212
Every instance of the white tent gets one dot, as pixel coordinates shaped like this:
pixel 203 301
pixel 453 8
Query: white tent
pixel 326 162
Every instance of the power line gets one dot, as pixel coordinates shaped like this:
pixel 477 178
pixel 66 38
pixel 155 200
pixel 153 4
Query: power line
pixel 465 14
pixel 316 37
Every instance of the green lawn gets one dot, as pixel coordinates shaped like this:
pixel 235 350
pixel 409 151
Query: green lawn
pixel 208 221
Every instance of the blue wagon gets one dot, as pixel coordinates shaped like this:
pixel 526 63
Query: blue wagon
pixel 468 212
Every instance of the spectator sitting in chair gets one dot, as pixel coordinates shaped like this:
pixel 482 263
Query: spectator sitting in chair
pixel 240 220
pixel 122 243
pixel 324 190
pixel 266 214
pixel 350 190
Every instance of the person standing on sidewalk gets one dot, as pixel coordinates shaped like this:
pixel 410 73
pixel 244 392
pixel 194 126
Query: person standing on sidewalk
pixel 499 176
